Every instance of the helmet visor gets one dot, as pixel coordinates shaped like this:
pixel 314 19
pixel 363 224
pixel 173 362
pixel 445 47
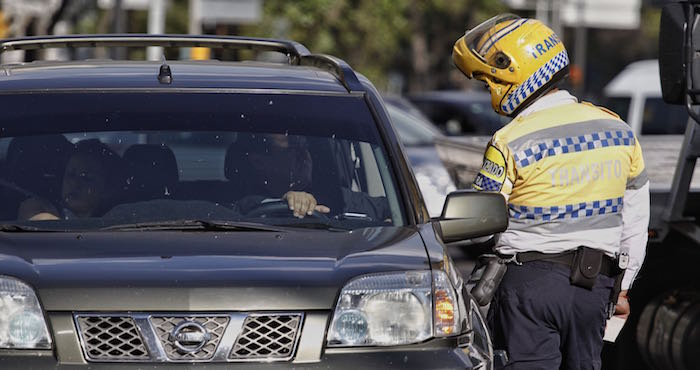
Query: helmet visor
pixel 482 38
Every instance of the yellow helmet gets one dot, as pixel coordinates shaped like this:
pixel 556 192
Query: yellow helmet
pixel 519 59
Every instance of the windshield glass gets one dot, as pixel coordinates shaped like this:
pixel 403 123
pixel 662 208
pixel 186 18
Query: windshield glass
pixel 92 161
pixel 412 130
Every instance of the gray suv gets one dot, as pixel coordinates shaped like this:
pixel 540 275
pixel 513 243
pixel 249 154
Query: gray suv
pixel 234 214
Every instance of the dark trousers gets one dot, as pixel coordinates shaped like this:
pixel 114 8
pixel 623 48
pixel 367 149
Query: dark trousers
pixel 544 322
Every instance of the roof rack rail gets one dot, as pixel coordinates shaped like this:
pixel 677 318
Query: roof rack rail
pixel 294 49
pixel 298 54
pixel 339 68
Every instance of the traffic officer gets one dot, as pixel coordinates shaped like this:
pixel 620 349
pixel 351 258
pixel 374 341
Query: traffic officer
pixel 578 197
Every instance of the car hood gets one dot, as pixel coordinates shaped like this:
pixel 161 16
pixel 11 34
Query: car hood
pixel 184 271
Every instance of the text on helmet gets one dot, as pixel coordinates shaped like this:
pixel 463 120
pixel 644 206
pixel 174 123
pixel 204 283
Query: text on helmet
pixel 544 46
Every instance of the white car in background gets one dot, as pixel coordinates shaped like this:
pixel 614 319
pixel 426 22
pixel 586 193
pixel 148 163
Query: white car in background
pixel 635 95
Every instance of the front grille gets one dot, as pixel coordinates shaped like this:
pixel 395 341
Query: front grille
pixel 188 337
pixel 113 338
pixel 267 336
pixel 164 326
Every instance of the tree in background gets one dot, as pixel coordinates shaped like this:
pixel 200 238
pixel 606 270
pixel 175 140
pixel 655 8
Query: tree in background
pixel 401 45
pixel 380 38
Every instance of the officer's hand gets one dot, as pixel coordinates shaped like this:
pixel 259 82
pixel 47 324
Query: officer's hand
pixel 303 203
pixel 622 308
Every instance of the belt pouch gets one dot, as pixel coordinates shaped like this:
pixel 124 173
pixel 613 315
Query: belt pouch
pixel 586 267
pixel 492 270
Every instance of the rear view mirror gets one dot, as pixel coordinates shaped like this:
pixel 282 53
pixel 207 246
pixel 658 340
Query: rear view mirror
pixel 470 214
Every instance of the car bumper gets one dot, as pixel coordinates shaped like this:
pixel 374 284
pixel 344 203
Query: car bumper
pixel 438 354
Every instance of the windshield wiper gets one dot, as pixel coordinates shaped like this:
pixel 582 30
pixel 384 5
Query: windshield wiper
pixel 200 225
pixel 14 228
pixel 313 225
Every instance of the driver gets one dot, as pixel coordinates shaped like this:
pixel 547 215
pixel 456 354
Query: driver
pixel 90 181
pixel 274 166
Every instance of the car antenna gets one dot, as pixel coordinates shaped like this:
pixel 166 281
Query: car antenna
pixel 165 75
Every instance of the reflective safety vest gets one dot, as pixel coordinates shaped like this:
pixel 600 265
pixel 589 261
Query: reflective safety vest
pixel 566 172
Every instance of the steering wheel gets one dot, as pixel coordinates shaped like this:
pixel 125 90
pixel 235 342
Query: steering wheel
pixel 9 189
pixel 280 208
pixel 5 184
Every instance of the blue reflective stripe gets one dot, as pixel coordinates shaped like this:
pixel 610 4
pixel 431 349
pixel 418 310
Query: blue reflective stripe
pixel 499 35
pixel 487 184
pixel 538 79
pixel 578 210
pixel 575 144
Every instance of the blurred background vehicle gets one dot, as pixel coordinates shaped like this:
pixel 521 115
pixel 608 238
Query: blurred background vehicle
pixel 467 121
pixel 459 112
pixel 418 136
pixel 635 95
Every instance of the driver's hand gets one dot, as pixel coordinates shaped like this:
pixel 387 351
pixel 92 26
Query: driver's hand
pixel 303 203
pixel 35 209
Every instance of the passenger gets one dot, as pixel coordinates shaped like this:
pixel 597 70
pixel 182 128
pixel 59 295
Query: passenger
pixel 274 166
pixel 91 181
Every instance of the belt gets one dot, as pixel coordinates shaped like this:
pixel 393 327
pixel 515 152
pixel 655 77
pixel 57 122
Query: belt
pixel 608 265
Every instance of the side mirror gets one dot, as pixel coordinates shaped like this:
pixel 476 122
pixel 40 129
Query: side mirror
pixel 470 214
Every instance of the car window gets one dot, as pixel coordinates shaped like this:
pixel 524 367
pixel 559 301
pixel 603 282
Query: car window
pixel 464 117
pixel 411 130
pixel 663 119
pixel 140 158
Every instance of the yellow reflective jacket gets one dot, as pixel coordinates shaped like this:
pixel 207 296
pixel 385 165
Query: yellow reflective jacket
pixel 569 172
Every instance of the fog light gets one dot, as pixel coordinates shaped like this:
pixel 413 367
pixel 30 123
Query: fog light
pixel 352 326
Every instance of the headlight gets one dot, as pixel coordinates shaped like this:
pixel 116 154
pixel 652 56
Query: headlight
pixel 22 324
pixel 394 309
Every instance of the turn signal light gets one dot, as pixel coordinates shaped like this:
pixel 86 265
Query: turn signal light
pixel 444 312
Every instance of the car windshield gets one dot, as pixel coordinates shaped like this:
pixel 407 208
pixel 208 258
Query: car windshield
pixel 78 161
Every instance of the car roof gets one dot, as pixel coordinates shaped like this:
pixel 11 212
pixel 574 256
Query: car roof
pixel 641 77
pixel 298 68
pixel 106 74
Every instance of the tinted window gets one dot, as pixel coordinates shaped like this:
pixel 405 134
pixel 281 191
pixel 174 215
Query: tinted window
pixel 86 161
pixel 663 119
pixel 411 130
pixel 474 117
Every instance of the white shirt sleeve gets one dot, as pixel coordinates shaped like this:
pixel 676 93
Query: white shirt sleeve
pixel 635 230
